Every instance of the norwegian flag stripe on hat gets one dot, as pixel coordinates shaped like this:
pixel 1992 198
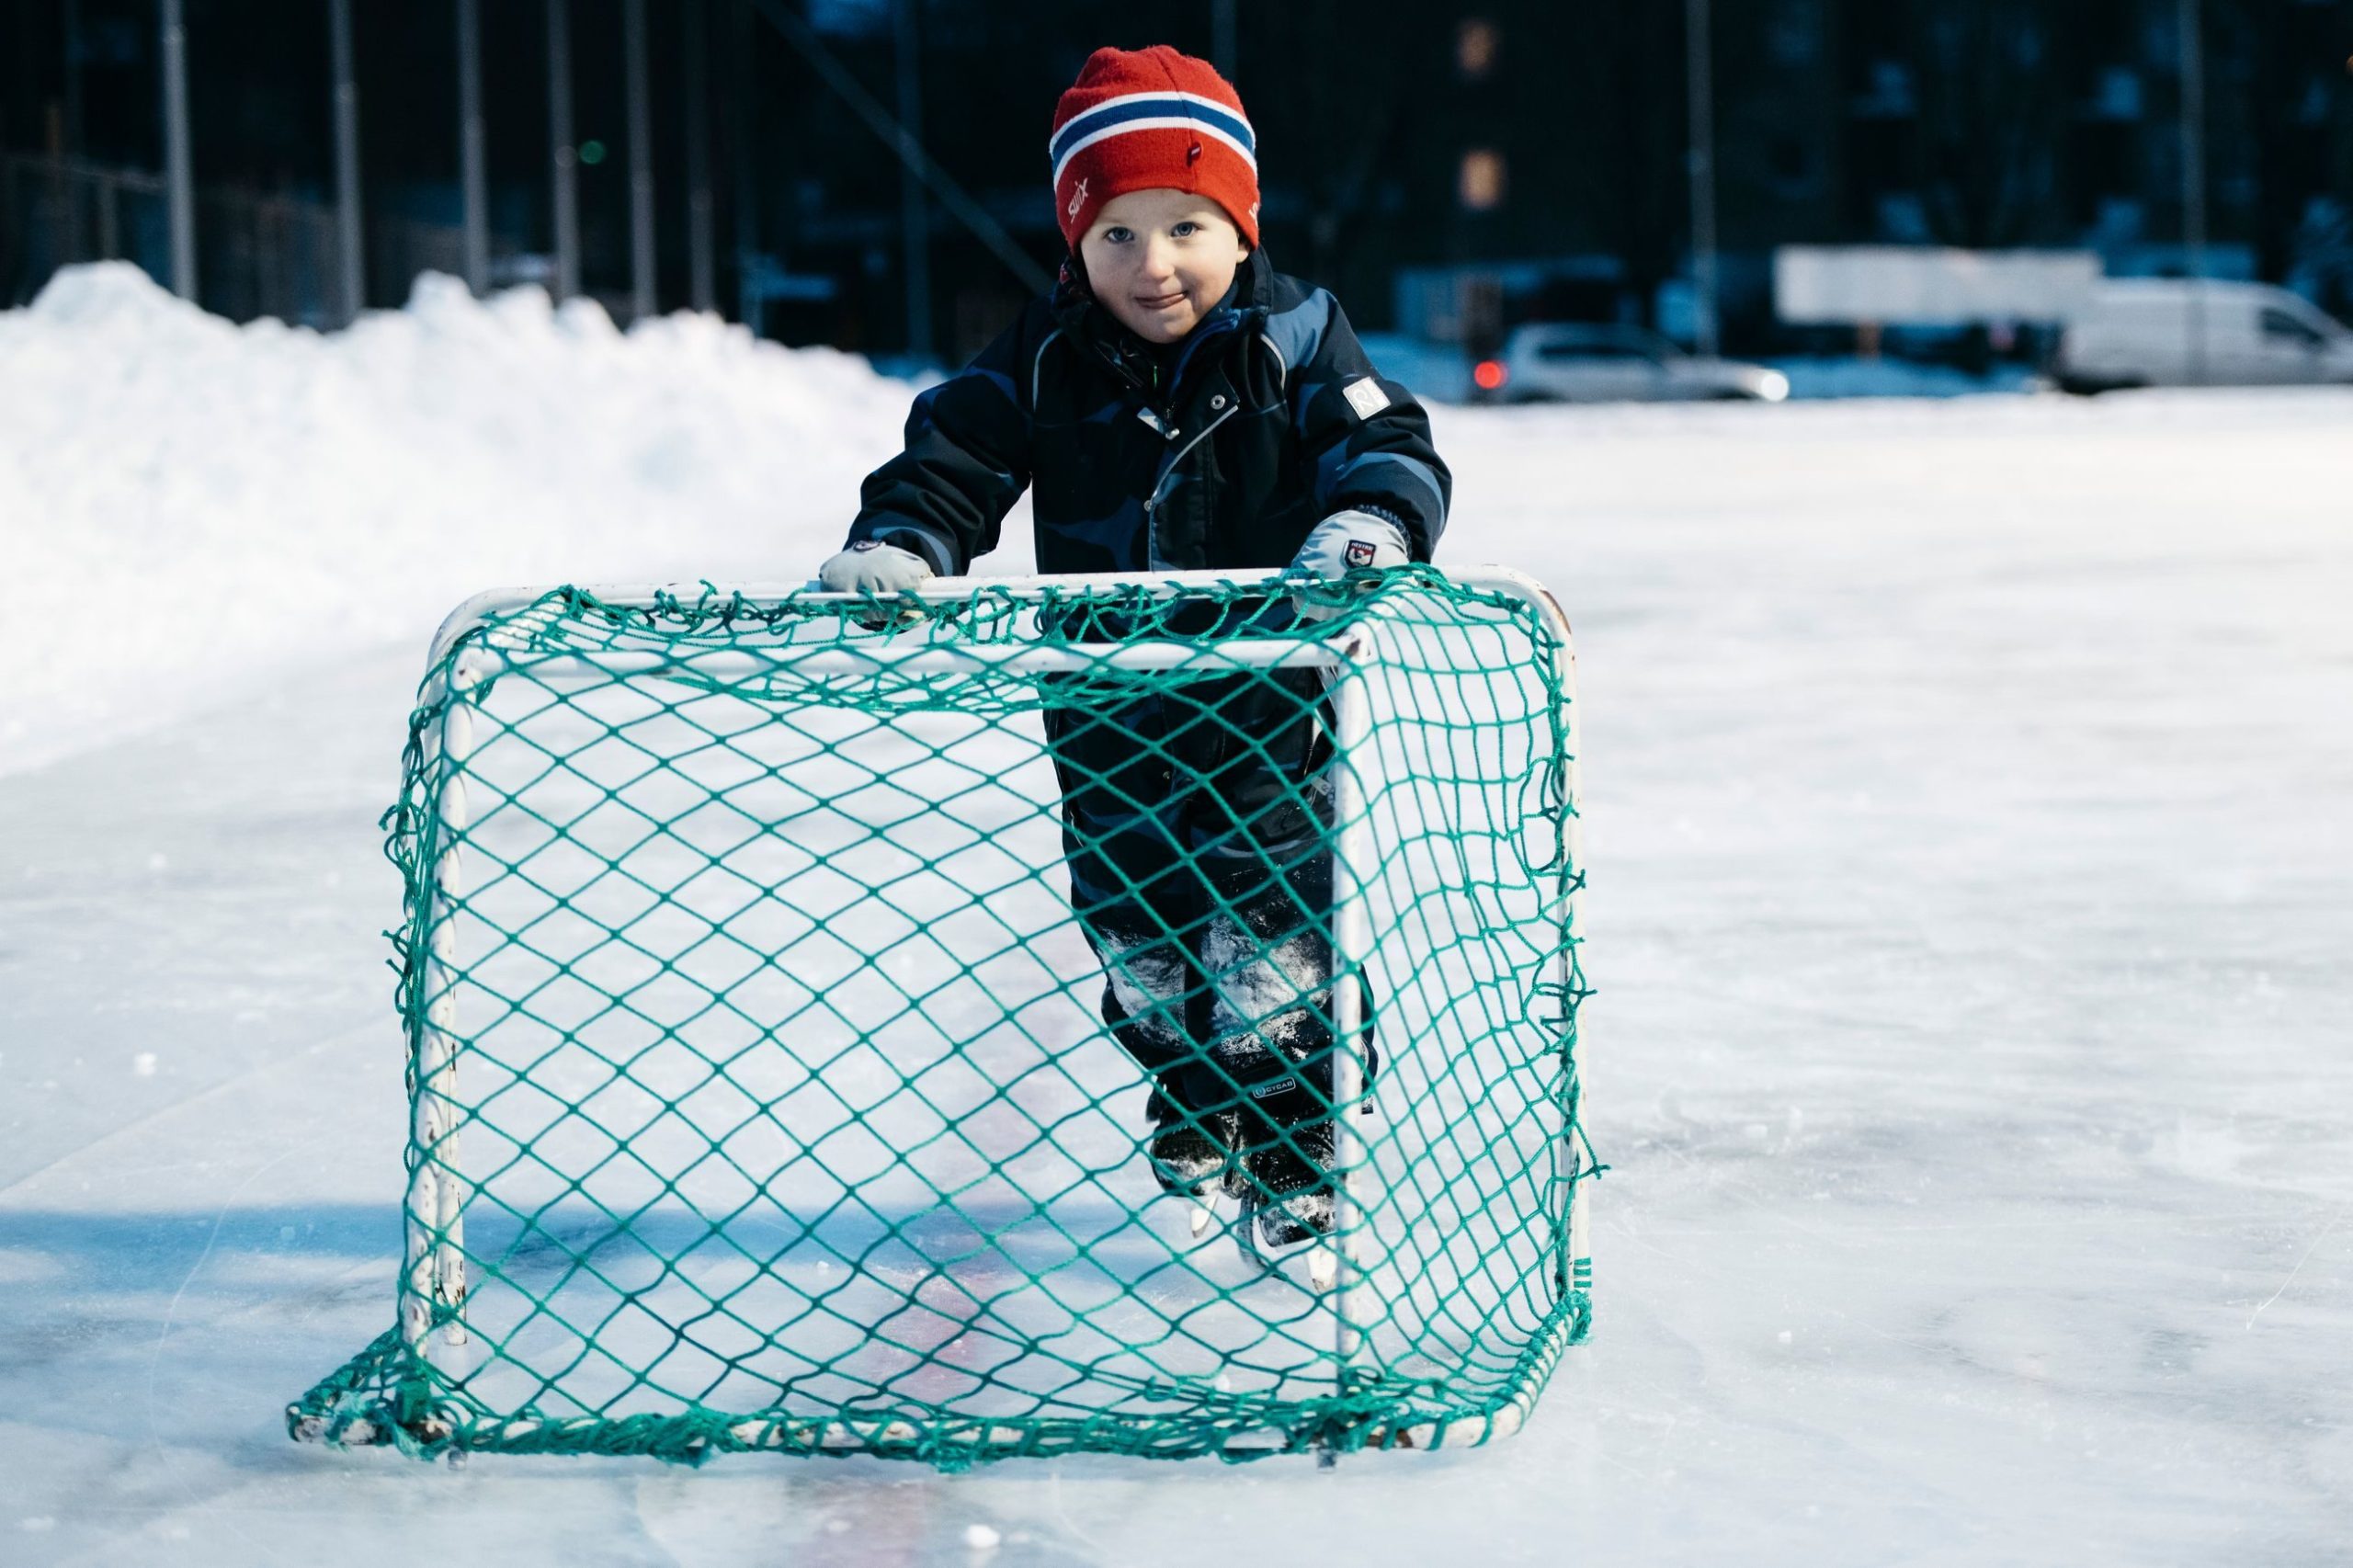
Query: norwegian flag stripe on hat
pixel 1152 111
pixel 1150 118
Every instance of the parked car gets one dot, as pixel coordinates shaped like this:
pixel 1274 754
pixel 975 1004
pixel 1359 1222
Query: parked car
pixel 1576 363
pixel 2170 332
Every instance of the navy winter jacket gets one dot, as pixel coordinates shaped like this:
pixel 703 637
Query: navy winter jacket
pixel 1208 802
pixel 1224 454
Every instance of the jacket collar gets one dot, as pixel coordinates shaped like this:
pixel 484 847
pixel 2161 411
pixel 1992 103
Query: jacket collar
pixel 1086 320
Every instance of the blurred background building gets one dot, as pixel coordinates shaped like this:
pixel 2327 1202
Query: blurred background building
pixel 870 174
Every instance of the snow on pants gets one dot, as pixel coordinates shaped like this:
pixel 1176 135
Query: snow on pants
pixel 1196 823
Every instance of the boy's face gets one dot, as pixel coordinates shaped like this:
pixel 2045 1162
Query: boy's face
pixel 1160 260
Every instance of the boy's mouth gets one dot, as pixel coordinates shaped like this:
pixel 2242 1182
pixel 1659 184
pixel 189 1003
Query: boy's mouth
pixel 1160 301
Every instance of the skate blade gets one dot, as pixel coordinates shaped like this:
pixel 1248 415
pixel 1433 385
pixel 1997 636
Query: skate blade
pixel 1245 1234
pixel 1322 1248
pixel 1203 1216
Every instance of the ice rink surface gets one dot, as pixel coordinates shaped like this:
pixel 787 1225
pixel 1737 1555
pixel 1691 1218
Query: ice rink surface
pixel 1971 882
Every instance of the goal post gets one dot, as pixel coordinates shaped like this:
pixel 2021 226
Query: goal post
pixel 766 1091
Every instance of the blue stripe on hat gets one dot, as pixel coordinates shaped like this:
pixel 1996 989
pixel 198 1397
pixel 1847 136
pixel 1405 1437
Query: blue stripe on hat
pixel 1113 112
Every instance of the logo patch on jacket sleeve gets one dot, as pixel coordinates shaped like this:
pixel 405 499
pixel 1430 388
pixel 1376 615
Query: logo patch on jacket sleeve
pixel 1365 396
pixel 1359 553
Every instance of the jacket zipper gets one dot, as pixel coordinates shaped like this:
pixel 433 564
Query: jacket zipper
pixel 1153 503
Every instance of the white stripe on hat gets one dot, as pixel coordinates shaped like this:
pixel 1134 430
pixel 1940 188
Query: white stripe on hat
pixel 1155 123
pixel 1230 111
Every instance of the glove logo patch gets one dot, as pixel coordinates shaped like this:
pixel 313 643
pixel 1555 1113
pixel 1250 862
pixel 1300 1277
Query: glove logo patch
pixel 1365 396
pixel 867 544
pixel 1359 553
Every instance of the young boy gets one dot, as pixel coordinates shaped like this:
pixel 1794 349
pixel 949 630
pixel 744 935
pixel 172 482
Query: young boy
pixel 1175 404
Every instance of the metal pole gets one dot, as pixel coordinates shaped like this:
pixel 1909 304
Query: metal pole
pixel 73 139
pixel 64 208
pixel 2193 176
pixel 700 287
pixel 347 162
pixel 73 78
pixel 177 172
pixel 747 200
pixel 110 220
pixel 1701 92
pixel 641 163
pixel 474 175
pixel 563 155
pixel 1223 29
pixel 915 229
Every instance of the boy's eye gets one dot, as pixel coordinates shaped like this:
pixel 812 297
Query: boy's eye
pixel 1117 235
pixel 1186 229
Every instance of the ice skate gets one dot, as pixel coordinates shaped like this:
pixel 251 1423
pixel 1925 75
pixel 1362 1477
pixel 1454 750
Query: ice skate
pixel 1293 1183
pixel 1192 1153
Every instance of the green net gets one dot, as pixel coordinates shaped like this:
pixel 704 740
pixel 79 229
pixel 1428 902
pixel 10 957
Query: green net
pixel 1018 1020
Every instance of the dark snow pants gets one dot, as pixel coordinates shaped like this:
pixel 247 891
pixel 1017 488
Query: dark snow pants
pixel 1197 827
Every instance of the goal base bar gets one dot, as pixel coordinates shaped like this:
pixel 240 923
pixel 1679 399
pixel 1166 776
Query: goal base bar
pixel 360 1406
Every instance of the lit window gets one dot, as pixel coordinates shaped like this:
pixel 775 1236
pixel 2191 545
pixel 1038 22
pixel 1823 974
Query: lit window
pixel 1482 180
pixel 1476 44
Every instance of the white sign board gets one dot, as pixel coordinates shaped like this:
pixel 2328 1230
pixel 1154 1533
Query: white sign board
pixel 1923 286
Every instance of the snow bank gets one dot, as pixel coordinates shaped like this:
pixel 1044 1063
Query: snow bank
pixel 191 503
pixel 188 504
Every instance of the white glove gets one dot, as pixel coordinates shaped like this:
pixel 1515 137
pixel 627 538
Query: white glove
pixel 1341 543
pixel 869 566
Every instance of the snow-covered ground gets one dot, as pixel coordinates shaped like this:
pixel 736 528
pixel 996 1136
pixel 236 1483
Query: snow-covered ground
pixel 205 502
pixel 1971 877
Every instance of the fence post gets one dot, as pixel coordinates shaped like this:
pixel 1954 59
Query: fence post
pixel 915 228
pixel 702 290
pixel 76 144
pixel 564 157
pixel 640 162
pixel 176 161
pixel 110 217
pixel 745 230
pixel 351 270
pixel 470 127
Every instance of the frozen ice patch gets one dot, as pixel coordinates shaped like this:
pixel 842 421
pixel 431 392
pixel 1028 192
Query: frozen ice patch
pixel 22 1266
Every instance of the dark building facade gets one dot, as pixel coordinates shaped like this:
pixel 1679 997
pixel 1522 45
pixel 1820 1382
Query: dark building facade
pixel 1446 167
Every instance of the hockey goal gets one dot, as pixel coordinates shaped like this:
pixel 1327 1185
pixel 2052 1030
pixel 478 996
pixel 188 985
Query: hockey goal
pixel 760 1090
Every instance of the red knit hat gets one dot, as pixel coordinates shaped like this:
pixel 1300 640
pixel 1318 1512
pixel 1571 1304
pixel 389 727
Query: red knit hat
pixel 1150 118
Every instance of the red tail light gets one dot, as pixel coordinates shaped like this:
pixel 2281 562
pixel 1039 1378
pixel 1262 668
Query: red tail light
pixel 1489 374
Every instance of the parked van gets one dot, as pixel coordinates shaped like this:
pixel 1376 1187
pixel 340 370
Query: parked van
pixel 2171 332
